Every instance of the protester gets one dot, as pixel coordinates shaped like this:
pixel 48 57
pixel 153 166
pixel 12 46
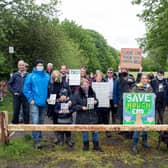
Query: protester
pixel 56 84
pixel 113 107
pixel 15 85
pixel 63 111
pixel 49 68
pixel 102 112
pixel 85 103
pixel 160 88
pixel 142 87
pixel 36 90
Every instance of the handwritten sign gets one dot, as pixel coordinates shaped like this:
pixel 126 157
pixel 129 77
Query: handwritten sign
pixel 131 58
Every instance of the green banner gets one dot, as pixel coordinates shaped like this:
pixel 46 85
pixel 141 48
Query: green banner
pixel 139 108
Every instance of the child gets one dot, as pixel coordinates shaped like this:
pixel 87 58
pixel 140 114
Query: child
pixel 63 110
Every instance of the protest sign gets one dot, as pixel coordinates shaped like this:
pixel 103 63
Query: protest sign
pixel 139 108
pixel 131 58
pixel 74 77
pixel 102 90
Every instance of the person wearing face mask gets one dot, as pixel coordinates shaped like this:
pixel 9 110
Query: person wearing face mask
pixel 15 85
pixel 36 90
pixel 142 87
pixel 85 104
pixel 160 88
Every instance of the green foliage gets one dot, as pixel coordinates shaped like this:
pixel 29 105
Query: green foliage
pixel 155 16
pixel 36 32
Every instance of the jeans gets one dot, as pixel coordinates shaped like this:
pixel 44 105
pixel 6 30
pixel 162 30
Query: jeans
pixel 137 134
pixel 95 136
pixel 37 117
pixel 19 100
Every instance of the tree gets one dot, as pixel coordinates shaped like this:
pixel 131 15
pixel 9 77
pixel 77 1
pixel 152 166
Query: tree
pixel 155 16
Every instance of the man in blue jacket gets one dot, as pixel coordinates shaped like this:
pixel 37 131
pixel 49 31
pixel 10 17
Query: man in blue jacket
pixel 15 85
pixel 36 90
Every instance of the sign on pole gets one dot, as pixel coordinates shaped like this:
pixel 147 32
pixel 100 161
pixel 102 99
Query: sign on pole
pixel 139 108
pixel 131 58
pixel 11 50
pixel 74 77
pixel 102 90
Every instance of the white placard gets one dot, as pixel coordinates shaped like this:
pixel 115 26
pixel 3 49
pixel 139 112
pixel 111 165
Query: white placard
pixel 11 50
pixel 52 99
pixel 102 90
pixel 64 108
pixel 90 103
pixel 74 77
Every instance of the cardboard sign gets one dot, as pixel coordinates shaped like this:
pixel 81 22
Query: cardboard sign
pixel 74 77
pixel 102 90
pixel 131 58
pixel 139 108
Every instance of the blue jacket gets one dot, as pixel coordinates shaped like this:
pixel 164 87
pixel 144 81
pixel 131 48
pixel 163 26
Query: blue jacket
pixel 16 82
pixel 36 87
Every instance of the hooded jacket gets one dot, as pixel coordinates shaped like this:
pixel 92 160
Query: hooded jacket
pixel 36 87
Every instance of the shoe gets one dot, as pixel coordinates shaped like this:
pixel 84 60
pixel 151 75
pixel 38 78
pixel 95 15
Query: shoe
pixel 69 142
pixel 86 146
pixel 61 143
pixel 145 145
pixel 108 134
pixel 96 146
pixel 37 145
pixel 134 149
pixel 56 140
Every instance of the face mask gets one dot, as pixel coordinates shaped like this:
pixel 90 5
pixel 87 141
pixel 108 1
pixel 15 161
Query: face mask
pixel 160 77
pixel 39 68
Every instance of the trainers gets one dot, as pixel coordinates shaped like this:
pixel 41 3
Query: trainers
pixel 134 149
pixel 145 145
pixel 69 143
pixel 37 145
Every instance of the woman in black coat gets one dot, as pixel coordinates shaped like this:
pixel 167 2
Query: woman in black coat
pixel 85 104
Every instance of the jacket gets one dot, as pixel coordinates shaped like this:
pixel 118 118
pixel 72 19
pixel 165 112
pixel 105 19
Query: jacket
pixel 80 100
pixel 63 118
pixel 36 87
pixel 161 96
pixel 16 82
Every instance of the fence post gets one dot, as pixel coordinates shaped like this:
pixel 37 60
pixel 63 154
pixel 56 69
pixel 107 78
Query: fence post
pixel 4 134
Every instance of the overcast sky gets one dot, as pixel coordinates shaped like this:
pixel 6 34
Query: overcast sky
pixel 116 20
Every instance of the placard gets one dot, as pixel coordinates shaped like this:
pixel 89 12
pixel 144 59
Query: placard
pixel 74 77
pixel 131 58
pixel 52 99
pixel 139 108
pixel 90 103
pixel 102 90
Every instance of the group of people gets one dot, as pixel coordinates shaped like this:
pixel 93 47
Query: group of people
pixel 48 91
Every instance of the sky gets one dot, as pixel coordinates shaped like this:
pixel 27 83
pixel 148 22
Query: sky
pixel 116 20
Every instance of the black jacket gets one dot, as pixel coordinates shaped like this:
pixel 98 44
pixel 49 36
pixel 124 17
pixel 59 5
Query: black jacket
pixel 161 96
pixel 80 100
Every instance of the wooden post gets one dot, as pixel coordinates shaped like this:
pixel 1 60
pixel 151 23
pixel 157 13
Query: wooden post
pixel 100 128
pixel 4 135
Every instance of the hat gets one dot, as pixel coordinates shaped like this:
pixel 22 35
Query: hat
pixel 63 92
pixel 39 61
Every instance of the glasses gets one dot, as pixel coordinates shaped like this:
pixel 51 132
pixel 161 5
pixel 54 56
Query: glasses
pixel 110 72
